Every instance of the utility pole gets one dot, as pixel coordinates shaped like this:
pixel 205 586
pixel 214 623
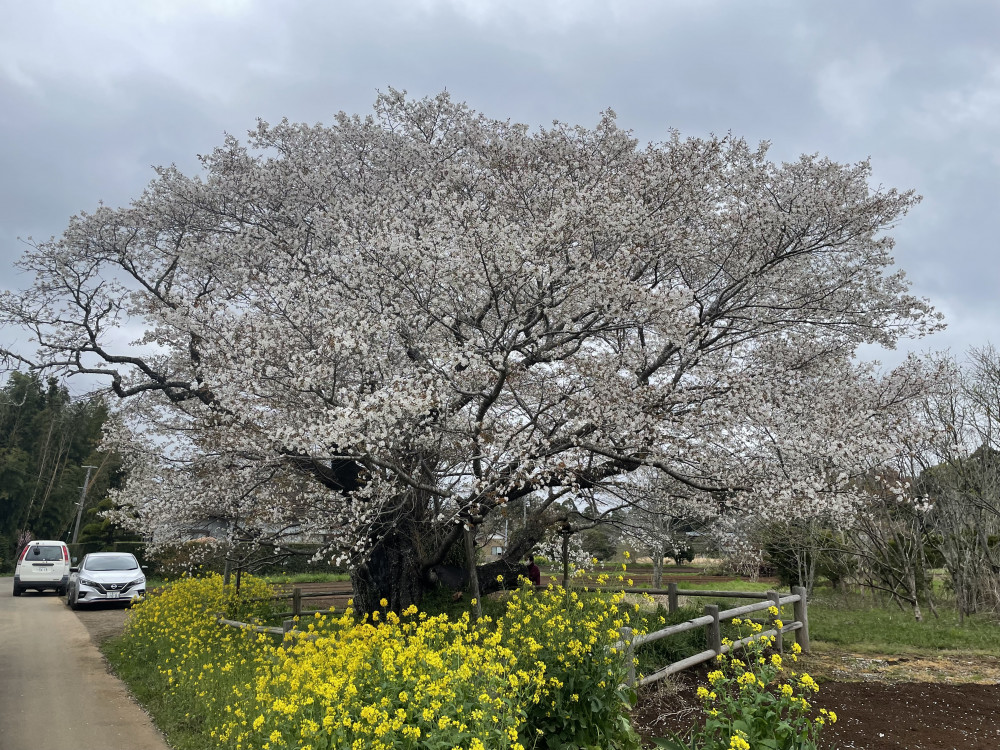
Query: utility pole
pixel 83 496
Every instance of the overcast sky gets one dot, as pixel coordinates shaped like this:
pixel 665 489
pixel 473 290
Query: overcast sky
pixel 93 94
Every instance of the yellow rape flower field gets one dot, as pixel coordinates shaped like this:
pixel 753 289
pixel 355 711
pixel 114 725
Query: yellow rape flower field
pixel 546 674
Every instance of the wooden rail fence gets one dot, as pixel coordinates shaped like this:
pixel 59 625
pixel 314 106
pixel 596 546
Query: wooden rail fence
pixel 711 621
pixel 288 618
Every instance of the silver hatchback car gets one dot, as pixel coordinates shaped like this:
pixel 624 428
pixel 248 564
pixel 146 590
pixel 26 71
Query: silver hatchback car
pixel 105 577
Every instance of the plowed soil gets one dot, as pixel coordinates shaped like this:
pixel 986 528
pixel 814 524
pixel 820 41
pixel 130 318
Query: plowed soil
pixel 887 703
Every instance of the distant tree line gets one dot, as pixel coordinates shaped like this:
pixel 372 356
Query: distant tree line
pixel 46 438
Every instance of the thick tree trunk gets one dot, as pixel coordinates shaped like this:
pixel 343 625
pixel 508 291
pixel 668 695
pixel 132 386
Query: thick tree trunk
pixel 391 572
pixel 395 568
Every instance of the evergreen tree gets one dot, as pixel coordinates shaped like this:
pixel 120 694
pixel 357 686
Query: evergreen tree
pixel 46 438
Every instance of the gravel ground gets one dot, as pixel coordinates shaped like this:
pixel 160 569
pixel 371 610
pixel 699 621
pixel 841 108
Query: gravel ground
pixel 103 621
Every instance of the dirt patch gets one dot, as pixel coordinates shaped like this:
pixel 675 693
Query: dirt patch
pixel 947 667
pixel 883 702
pixel 913 715
pixel 103 621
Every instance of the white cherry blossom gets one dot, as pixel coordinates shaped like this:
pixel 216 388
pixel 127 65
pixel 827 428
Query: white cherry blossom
pixel 375 329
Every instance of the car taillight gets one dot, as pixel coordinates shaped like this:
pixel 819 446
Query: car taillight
pixel 65 554
pixel 24 552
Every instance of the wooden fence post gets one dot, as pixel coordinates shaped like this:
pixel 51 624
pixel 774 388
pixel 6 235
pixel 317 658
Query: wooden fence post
pixel 626 637
pixel 287 625
pixel 779 640
pixel 713 633
pixel 671 597
pixel 801 608
pixel 296 601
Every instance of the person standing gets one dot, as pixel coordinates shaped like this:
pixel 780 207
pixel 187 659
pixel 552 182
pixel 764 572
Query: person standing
pixel 534 572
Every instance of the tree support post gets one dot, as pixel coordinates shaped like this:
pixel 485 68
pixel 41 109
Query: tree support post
pixel 671 597
pixel 565 558
pixel 629 651
pixel 801 609
pixel 470 561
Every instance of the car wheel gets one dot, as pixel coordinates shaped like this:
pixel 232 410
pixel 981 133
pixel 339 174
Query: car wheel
pixel 72 602
pixel 17 590
pixel 61 591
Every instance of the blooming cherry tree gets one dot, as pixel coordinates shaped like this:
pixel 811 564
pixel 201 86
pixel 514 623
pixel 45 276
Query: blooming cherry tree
pixel 385 329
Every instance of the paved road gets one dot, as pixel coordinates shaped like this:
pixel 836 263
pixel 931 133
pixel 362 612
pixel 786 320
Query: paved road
pixel 55 692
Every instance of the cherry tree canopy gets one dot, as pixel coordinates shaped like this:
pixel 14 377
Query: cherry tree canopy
pixel 378 328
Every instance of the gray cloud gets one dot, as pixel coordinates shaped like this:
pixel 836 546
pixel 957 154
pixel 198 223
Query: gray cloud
pixel 92 95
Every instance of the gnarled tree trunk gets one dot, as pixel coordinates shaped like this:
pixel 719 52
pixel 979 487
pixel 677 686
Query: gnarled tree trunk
pixel 392 571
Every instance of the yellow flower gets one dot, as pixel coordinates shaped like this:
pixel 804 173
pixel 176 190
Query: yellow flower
pixel 738 741
pixel 383 602
pixel 747 679
pixel 808 682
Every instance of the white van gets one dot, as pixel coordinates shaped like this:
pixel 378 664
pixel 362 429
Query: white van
pixel 42 565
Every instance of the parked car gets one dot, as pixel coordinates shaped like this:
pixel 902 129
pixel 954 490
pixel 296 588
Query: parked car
pixel 106 577
pixel 43 564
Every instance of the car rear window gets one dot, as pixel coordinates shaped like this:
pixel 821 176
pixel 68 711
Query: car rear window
pixel 48 553
pixel 111 563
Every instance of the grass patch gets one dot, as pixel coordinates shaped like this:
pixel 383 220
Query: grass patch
pixel 860 623
pixel 722 583
pixel 308 578
pixel 732 584
pixel 183 730
pixel 656 655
